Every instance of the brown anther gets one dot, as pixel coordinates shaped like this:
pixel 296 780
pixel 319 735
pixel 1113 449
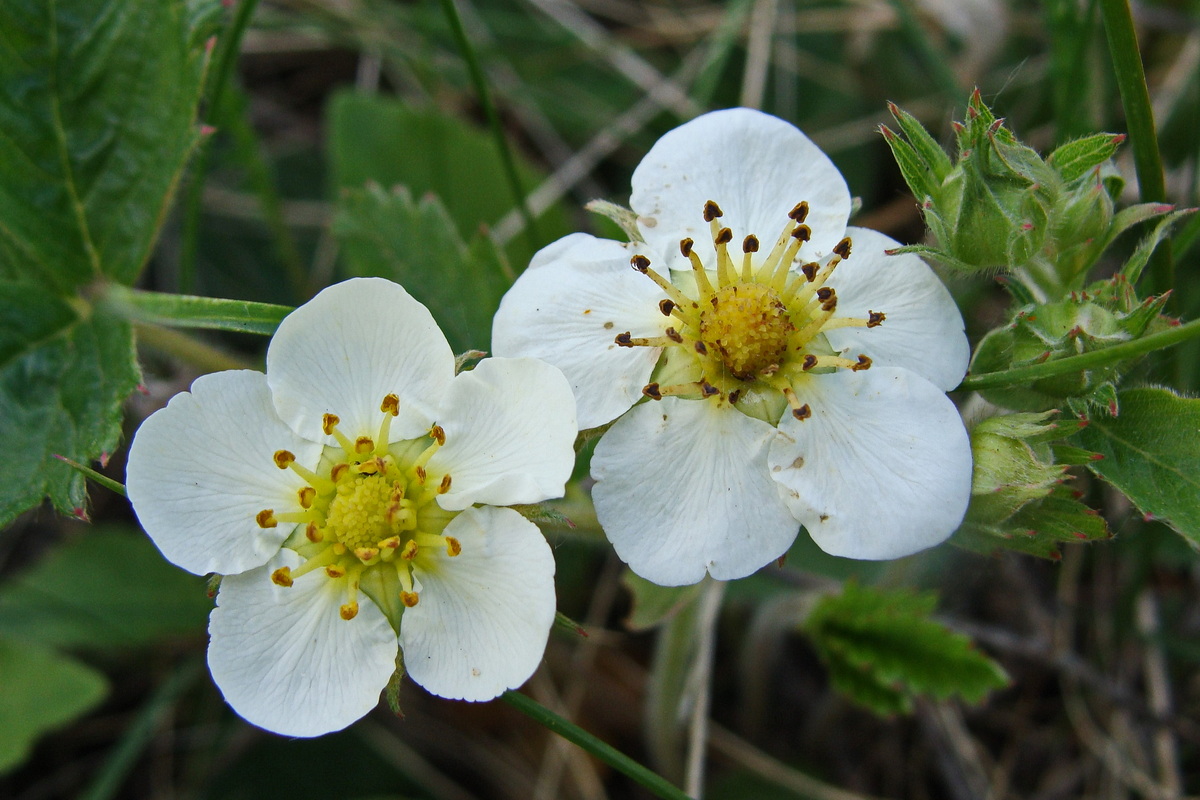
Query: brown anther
pixel 802 413
pixel 842 248
pixel 390 543
pixel 284 458
pixel 701 348
pixel 724 236
pixel 329 422
pixel 802 232
pixel 640 263
pixel 685 247
pixel 824 293
pixel 307 495
pixel 282 576
pixel 712 211
pixel 348 611
pixel 266 518
pixel 750 244
pixel 707 389
pixel 338 471
pixel 335 571
pixel 830 304
pixel 366 554
pixel 673 335
pixel 390 405
pixel 444 486
pixel 810 270
pixel 453 546
pixel 875 318
pixel 666 306
pixel 651 391
pixel 800 212
pixel 410 550
pixel 624 339
pixel 409 599
pixel 312 532
pixel 438 434
pixel 864 362
pixel 734 396
pixel 809 362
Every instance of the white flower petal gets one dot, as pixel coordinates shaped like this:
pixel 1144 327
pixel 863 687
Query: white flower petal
pixel 510 434
pixel 881 470
pixel 682 489
pixel 202 468
pixel 569 310
pixel 754 166
pixel 484 615
pixel 349 347
pixel 923 330
pixel 285 659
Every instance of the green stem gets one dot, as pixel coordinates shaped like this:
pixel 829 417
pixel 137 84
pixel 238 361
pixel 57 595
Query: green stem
pixel 227 51
pixel 188 311
pixel 1139 119
pixel 493 118
pixel 1096 358
pixel 601 750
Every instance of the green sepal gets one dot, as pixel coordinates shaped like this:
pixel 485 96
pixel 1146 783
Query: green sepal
pixel 395 683
pixel 1075 158
pixel 624 218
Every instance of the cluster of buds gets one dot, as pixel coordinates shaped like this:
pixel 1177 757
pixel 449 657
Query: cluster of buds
pixel 1000 206
pixel 1105 314
pixel 1021 496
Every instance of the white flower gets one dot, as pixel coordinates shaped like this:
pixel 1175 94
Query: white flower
pixel 791 381
pixel 347 495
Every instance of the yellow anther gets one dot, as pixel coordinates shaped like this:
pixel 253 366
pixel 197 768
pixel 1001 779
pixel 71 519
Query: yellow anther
pixel 444 486
pixel 329 422
pixel 307 495
pixel 349 610
pixel 453 546
pixel 284 458
pixel 420 472
pixel 266 518
pixel 410 550
pixel 438 434
pixel 282 576
pixel 409 599
pixel 364 445
pixel 390 405
pixel 313 533
pixel 366 554
pixel 335 571
pixel 338 471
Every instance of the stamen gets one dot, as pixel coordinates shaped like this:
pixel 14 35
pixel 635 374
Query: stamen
pixel 282 577
pixel 313 533
pixel 800 212
pixel 444 486
pixel 438 434
pixel 390 408
pixel 702 387
pixel 749 248
pixel 307 495
pixel 875 318
pixel 285 459
pixel 642 265
pixel 266 518
pixel 842 248
pixel 349 610
pixel 670 337
pixel 800 411
pixel 329 424
pixel 364 445
pixel 725 272
pixel 335 571
pixel 702 282
pixel 711 211
pixel 453 546
pixel 666 306
pixel 410 550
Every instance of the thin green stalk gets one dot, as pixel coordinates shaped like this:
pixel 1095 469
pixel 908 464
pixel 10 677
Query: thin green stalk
pixel 1096 358
pixel 188 349
pixel 1139 118
pixel 92 475
pixel 189 311
pixel 138 735
pixel 601 750
pixel 228 47
pixel 493 118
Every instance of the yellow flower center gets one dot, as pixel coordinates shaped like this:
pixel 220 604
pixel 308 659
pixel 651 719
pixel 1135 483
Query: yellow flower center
pixel 754 329
pixel 368 515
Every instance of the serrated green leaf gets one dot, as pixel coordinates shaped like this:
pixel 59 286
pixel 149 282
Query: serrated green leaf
pixel 389 235
pixel 97 109
pixel 1075 158
pixel 653 604
pixel 372 138
pixel 108 588
pixel 888 638
pixel 1152 454
pixel 29 317
pixel 42 691
pixel 64 398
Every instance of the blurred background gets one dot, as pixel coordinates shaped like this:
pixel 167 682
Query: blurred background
pixel 351 140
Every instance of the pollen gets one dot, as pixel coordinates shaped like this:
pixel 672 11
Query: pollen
pixel 748 325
